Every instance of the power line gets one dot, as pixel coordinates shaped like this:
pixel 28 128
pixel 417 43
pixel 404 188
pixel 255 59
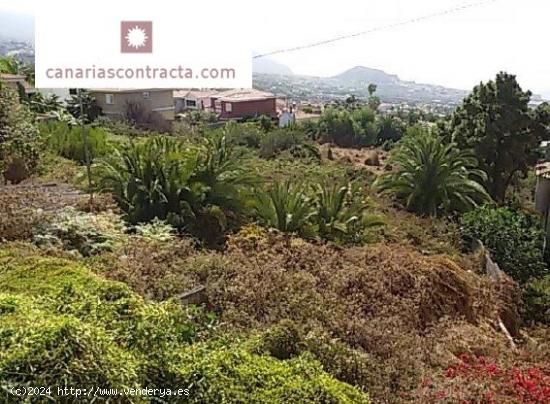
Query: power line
pixel 379 28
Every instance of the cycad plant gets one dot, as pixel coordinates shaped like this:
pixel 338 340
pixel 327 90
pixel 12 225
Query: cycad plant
pixel 337 216
pixel 195 189
pixel 432 176
pixel 286 207
pixel 324 210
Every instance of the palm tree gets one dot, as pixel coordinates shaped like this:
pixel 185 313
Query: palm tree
pixel 433 176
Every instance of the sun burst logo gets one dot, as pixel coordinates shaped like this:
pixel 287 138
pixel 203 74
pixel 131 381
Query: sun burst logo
pixel 136 36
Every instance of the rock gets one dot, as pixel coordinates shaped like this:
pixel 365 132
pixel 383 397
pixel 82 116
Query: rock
pixel 372 158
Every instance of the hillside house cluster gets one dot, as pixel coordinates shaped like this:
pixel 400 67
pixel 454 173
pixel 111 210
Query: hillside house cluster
pixel 236 104
pixel 231 104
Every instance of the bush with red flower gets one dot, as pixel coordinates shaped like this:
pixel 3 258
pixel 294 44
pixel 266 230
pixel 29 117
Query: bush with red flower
pixel 476 379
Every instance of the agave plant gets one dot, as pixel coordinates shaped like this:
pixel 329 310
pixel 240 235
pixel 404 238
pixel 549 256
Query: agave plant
pixel 285 207
pixel 434 176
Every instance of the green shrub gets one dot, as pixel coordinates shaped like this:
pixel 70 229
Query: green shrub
pixel 286 207
pixel 338 217
pixel 234 375
pixel 536 299
pixel 243 134
pixel 19 140
pixel 330 210
pixel 514 238
pixel 288 340
pixel 390 128
pixel 293 142
pixel 62 326
pixel 282 341
pixel 68 141
pixel 56 351
pixel 348 129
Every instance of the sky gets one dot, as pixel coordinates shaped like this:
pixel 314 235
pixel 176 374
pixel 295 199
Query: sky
pixel 456 50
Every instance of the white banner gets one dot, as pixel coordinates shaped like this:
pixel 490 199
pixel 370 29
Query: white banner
pixel 131 44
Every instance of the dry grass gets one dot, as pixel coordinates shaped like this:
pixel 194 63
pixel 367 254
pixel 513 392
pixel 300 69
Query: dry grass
pixel 383 316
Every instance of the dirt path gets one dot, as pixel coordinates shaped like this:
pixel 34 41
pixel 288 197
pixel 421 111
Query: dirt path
pixel 38 195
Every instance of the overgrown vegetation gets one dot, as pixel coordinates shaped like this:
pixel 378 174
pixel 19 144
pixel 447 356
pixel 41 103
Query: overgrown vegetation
pixel 197 189
pixel 62 326
pixel 19 141
pixel 514 238
pixel 68 141
pixel 323 289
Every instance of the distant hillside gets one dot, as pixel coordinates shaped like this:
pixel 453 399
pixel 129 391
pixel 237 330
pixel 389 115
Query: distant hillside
pixel 361 75
pixel 268 66
pixel 356 81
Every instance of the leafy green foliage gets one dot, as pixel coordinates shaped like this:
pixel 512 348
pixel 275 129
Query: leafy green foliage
pixel 291 142
pixel 514 238
pixel 19 141
pixel 246 134
pixel 390 129
pixel 433 177
pixel 328 210
pixel 496 122
pixel 340 217
pixel 194 189
pixel 237 376
pixel 67 141
pixel 285 207
pixel 536 299
pixel 266 123
pixel 348 129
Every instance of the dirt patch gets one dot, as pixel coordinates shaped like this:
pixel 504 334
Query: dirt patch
pixel 22 205
pixel 357 157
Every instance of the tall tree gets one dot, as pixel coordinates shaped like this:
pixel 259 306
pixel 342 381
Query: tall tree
pixel 495 121
pixel 374 101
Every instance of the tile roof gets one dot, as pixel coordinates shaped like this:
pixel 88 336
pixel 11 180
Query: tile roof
pixel 243 94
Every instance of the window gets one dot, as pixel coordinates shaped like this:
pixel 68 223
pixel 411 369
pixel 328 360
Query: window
pixel 190 103
pixel 228 107
pixel 146 95
pixel 109 99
